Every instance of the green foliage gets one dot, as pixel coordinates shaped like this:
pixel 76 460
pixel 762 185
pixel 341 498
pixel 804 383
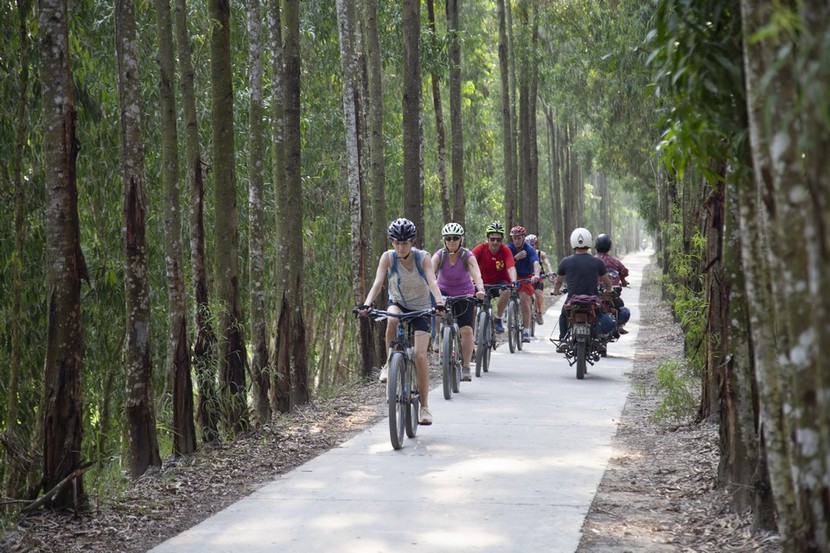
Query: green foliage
pixel 675 385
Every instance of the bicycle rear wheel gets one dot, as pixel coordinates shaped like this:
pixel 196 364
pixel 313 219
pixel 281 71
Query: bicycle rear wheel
pixel 412 405
pixel 396 398
pixel 482 341
pixel 446 361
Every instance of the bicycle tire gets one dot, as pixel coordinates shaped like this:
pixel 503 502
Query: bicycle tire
pixel 511 323
pixel 580 360
pixel 456 366
pixel 491 339
pixel 482 341
pixel 519 326
pixel 395 398
pixel 446 361
pixel 413 403
pixel 533 312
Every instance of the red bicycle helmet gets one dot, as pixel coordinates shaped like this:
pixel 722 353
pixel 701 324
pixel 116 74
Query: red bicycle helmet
pixel 518 231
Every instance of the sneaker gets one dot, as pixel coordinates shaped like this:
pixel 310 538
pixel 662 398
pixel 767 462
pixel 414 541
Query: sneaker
pixel 525 337
pixel 465 374
pixel 562 348
pixel 622 330
pixel 540 320
pixel 384 375
pixel 426 417
pixel 497 325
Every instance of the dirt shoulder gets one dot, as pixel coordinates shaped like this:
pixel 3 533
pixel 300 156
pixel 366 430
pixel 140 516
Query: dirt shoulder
pixel 659 492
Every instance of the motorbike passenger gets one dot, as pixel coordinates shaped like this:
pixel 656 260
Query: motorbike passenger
pixel 580 272
pixel 618 274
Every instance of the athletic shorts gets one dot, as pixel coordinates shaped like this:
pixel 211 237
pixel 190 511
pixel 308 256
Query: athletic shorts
pixel 421 323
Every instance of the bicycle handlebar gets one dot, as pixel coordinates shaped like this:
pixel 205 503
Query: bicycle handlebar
pixel 380 314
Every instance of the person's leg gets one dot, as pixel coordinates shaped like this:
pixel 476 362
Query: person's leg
pixel 563 325
pixel 421 366
pixel 540 301
pixel 504 295
pixel 391 334
pixel 524 301
pixel 467 345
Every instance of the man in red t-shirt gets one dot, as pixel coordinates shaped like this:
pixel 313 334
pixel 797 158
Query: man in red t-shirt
pixel 497 267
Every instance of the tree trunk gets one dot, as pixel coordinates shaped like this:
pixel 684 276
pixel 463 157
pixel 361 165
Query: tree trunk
pixel 377 217
pixel 440 132
pixel 178 349
pixel 456 129
pixel 257 217
pixel 232 356
pixel 292 358
pixel 205 341
pixel 141 420
pixel 509 147
pixel 65 267
pixel 412 155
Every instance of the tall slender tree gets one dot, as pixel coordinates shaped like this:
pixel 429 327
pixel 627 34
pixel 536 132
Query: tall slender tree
pixel 459 210
pixel 412 146
pixel 65 267
pixel 178 347
pixel 440 131
pixel 508 146
pixel 204 343
pixel 292 360
pixel 141 420
pixel 257 216
pixel 231 345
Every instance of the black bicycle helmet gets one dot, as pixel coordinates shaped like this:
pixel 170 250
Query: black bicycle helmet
pixel 603 243
pixel 402 229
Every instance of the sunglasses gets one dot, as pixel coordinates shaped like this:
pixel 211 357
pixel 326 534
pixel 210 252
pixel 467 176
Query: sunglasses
pixel 452 238
pixel 495 239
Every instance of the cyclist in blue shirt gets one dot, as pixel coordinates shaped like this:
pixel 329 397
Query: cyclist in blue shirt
pixel 527 266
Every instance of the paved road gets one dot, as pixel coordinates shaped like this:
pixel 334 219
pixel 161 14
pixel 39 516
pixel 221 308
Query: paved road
pixel 511 464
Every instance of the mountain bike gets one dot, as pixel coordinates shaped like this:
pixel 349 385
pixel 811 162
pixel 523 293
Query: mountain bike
pixel 402 395
pixel 515 323
pixel 451 347
pixel 484 332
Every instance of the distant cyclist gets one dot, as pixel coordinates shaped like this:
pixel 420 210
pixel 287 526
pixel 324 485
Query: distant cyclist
pixel 527 266
pixel 539 287
pixel 497 267
pixel 459 275
pixel 411 283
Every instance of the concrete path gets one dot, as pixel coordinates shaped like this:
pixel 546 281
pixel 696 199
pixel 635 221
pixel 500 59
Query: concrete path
pixel 511 464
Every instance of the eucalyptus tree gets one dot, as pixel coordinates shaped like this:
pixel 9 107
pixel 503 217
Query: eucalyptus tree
pixel 292 356
pixel 204 344
pixel 65 267
pixel 510 185
pixel 528 185
pixel 787 83
pixel 459 208
pixel 231 344
pixel 178 347
pixel 440 130
pixel 141 420
pixel 256 214
pixel 413 171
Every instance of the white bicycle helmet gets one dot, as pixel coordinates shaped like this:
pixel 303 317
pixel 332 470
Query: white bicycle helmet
pixel 581 238
pixel 452 229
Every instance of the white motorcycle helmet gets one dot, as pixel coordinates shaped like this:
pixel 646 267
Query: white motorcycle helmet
pixel 581 238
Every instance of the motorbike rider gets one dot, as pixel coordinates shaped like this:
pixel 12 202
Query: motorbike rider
pixel 580 272
pixel 618 274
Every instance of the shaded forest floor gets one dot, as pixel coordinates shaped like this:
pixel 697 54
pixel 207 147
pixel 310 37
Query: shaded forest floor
pixel 659 491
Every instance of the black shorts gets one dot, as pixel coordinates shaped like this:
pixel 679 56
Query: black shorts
pixel 493 293
pixel 540 284
pixel 420 323
pixel 464 312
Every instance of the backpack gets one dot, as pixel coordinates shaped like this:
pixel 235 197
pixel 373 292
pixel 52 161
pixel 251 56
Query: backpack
pixel 465 255
pixel 393 269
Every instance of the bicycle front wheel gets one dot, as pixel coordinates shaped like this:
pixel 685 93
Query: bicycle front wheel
pixel 446 361
pixel 511 326
pixel 412 405
pixel 397 398
pixel 482 341
pixel 456 366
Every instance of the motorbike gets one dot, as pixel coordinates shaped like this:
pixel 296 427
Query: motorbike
pixel 592 326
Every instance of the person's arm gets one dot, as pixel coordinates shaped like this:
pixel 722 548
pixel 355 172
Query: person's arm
pixel 557 284
pixel 536 269
pixel 623 274
pixel 475 274
pixel 512 272
pixel 606 281
pixel 380 276
pixel 546 261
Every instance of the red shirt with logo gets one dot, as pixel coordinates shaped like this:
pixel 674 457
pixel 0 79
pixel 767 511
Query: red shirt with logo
pixel 494 266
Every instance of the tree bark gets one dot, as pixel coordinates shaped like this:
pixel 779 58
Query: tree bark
pixel 65 267
pixel 232 355
pixel 257 217
pixel 412 154
pixel 508 144
pixel 141 420
pixel 440 132
pixel 178 348
pixel 459 212
pixel 204 345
